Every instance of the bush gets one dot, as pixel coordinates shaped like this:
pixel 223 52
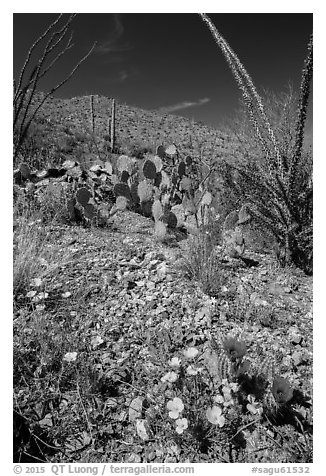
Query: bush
pixel 202 264
pixel 279 185
pixel 52 202
pixel 30 241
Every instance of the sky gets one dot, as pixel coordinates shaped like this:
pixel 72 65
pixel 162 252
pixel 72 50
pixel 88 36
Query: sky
pixel 169 62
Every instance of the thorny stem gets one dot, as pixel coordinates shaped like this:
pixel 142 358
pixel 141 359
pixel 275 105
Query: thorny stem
pixel 26 94
pixel 248 89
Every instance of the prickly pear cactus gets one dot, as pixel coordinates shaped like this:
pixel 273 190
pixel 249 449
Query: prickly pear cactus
pixel 83 196
pixel 125 176
pixel 158 163
pixel 234 242
pixel 122 189
pixel 157 210
pixel 25 171
pixel 171 150
pixel 186 184
pixel 134 193
pixel 160 230
pixel 151 186
pixel 182 169
pixel 89 211
pixel 231 221
pixel 149 170
pixel 170 219
pixel 160 152
pixel 121 203
pixel 244 215
pixel 145 191
pixel 124 163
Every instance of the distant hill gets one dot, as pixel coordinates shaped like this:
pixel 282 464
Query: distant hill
pixel 67 125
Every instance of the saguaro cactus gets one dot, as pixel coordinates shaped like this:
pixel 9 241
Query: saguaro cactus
pixel 91 104
pixel 112 125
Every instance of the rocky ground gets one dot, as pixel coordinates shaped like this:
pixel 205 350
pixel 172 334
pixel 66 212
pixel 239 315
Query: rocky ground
pixel 120 305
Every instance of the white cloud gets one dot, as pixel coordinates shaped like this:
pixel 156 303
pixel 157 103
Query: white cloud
pixel 127 74
pixel 113 44
pixel 183 105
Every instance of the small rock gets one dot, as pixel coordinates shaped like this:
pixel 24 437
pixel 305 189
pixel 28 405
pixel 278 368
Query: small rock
pixel 150 285
pixel 153 263
pixel 287 290
pixel 150 455
pixel 162 270
pixel 133 458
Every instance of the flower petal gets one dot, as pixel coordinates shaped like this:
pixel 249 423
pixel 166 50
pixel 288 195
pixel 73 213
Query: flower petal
pixel 70 356
pixel 175 362
pixel 170 377
pixel 190 353
pixel 174 414
pixel 214 415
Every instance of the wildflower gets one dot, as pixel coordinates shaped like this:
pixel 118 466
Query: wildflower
pixel 66 294
pixel 96 341
pixel 226 392
pixel 235 349
pixel 218 399
pixel 40 296
pixel 37 282
pixel 193 371
pixel 253 406
pixel 182 424
pixel 175 406
pixel 190 353
pixel 281 390
pixel 170 377
pixel 31 294
pixel 214 416
pixel 228 402
pixel 40 307
pixel 234 386
pixel 175 362
pixel 70 357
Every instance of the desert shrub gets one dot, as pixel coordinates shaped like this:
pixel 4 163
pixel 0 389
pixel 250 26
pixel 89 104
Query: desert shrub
pixel 38 148
pixel 270 206
pixel 137 149
pixel 202 264
pixel 277 178
pixel 52 202
pixel 29 241
pixel 81 136
pixel 66 144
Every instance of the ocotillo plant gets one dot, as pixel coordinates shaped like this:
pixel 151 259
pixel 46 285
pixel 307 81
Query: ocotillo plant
pixel 31 73
pixel 281 199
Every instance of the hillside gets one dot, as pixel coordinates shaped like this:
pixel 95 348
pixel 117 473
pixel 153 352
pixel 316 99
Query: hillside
pixel 69 124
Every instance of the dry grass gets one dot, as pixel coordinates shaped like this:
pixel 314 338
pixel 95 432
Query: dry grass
pixel 30 240
pixel 203 265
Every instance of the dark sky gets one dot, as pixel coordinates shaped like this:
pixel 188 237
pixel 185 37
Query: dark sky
pixel 170 61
